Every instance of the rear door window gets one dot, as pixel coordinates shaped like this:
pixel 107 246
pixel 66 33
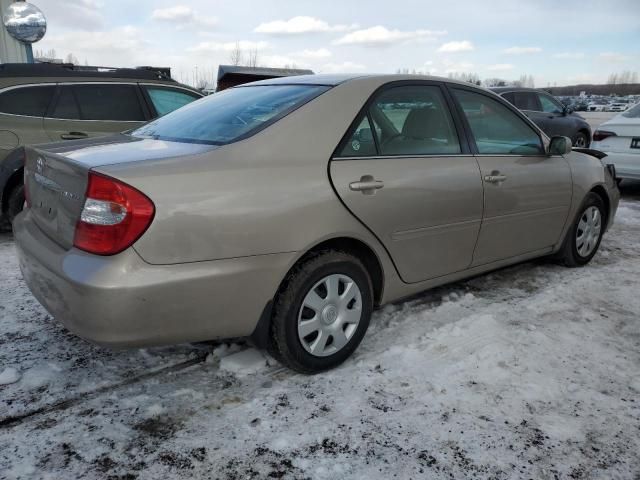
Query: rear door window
pixel 29 101
pixel 66 107
pixel 166 100
pixel 496 129
pixel 109 102
pixel 526 101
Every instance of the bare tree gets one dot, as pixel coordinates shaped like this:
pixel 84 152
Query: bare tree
pixel 72 59
pixel 253 58
pixel 494 82
pixel 236 55
pixel 472 78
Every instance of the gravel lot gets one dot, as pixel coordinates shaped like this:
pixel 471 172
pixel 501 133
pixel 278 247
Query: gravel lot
pixel 529 372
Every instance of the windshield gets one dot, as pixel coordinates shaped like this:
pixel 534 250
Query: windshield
pixel 633 112
pixel 230 115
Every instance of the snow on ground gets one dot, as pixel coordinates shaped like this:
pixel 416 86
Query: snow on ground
pixel 529 372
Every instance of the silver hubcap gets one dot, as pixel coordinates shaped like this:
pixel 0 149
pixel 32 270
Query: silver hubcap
pixel 329 315
pixel 588 231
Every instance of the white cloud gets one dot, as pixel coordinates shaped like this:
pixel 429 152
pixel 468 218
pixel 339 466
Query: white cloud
pixel 521 50
pixel 319 53
pixel 300 25
pixel 379 36
pixel 569 55
pixel 500 67
pixel 280 61
pixel 182 15
pixel 344 67
pixel 612 57
pixel 455 47
pixel 244 45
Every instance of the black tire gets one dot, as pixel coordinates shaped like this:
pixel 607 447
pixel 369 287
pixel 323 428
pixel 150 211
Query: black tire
pixel 581 140
pixel 569 254
pixel 15 202
pixel 284 342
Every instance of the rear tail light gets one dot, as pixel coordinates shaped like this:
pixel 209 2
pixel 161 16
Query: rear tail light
pixel 114 216
pixel 600 135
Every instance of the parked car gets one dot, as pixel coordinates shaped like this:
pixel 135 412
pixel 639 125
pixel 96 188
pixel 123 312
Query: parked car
pixel 289 209
pixel 43 103
pixel 617 107
pixel 619 138
pixel 549 114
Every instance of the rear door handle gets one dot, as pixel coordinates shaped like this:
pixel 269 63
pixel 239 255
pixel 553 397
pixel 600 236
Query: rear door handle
pixel 367 185
pixel 495 177
pixel 73 135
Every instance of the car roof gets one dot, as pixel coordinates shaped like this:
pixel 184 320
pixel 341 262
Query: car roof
pixel 34 73
pixel 337 79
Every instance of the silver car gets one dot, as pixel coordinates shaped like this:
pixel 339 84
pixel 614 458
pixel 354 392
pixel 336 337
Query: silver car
pixel 289 209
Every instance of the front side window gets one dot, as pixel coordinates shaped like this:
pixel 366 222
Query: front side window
pixel 166 100
pixel 229 115
pixel 109 102
pixel 526 101
pixel 633 112
pixel 496 129
pixel 549 105
pixel 30 101
pixel 407 120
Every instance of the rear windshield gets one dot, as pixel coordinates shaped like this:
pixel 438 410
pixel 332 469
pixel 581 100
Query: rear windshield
pixel 230 115
pixel 633 112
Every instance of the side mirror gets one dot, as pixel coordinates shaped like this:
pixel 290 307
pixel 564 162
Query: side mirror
pixel 560 146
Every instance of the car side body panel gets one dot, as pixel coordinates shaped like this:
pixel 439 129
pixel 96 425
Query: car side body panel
pixel 233 220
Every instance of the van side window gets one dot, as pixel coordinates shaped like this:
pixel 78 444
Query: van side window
pixel 30 101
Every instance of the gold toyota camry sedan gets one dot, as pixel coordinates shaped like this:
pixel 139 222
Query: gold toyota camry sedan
pixel 289 209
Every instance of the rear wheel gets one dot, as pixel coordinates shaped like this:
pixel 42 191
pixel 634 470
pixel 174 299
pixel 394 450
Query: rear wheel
pixel 322 312
pixel 583 239
pixel 15 202
pixel 581 140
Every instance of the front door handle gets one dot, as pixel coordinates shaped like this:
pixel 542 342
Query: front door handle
pixel 495 177
pixel 367 185
pixel 73 135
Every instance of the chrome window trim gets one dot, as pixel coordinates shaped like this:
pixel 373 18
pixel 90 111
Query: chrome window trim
pixel 401 157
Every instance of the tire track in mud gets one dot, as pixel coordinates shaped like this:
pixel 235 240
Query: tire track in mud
pixel 67 403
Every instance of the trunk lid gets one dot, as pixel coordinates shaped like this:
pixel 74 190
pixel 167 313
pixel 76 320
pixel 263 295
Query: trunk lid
pixel 56 175
pixel 56 188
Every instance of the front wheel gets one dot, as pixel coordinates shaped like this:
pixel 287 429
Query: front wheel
pixel 581 140
pixel 321 312
pixel 583 239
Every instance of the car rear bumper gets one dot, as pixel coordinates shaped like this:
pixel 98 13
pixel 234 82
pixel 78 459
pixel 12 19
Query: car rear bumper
pixel 122 301
pixel 627 164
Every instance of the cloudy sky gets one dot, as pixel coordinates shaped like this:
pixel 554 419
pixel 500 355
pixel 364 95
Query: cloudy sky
pixel 556 41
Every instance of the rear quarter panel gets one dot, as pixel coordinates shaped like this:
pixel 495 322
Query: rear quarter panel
pixel 264 195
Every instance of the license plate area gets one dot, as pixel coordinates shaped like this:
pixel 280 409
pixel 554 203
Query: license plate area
pixel 635 142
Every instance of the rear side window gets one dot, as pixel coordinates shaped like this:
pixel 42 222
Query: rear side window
pixel 109 102
pixel 31 101
pixel 496 129
pixel 526 101
pixel 166 100
pixel 229 115
pixel 407 120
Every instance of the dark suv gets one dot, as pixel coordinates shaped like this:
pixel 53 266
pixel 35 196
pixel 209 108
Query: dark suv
pixel 43 103
pixel 549 114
